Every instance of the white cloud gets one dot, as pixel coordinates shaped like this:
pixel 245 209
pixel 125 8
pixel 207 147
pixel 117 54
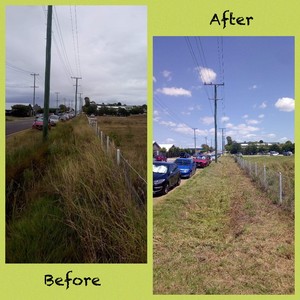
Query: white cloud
pixel 229 125
pixel 207 75
pixel 183 128
pixel 253 87
pixel 207 120
pixel 284 139
pixel 263 105
pixel 168 123
pixel 186 113
pixel 285 104
pixel 155 113
pixel 167 74
pixel 225 119
pixel 173 91
pixel 154 79
pixel 201 132
pixel 245 116
pixel 261 116
pixel 170 141
pixel 271 135
pixel 252 122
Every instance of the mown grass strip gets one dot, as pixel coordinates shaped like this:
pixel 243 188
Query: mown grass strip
pixel 218 234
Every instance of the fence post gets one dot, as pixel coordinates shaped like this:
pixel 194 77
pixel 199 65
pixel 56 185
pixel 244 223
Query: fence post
pixel 256 169
pixel 101 138
pixel 265 177
pixel 280 188
pixel 107 143
pixel 118 157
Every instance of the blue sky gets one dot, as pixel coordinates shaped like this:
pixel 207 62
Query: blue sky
pixel 257 97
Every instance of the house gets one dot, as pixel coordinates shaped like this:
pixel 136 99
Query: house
pixel 157 148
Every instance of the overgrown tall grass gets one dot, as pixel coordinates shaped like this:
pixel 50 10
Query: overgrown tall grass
pixel 77 209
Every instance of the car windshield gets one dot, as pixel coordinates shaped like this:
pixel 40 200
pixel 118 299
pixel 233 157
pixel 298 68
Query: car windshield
pixel 183 161
pixel 161 169
pixel 39 120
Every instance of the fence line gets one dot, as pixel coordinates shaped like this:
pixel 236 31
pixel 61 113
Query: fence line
pixel 134 181
pixel 280 188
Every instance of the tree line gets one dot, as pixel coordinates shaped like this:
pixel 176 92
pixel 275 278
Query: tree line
pixel 258 147
pixel 91 107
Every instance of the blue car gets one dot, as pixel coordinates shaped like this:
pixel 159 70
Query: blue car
pixel 165 176
pixel 187 167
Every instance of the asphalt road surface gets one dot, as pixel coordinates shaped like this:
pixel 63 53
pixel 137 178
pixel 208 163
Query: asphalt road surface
pixel 18 125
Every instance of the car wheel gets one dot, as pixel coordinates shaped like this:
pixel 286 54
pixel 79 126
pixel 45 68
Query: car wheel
pixel 166 189
pixel 178 181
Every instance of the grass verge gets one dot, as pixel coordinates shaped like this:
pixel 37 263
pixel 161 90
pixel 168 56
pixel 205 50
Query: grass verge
pixel 67 202
pixel 218 234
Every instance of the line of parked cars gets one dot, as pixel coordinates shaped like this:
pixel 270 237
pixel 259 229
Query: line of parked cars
pixel 53 119
pixel 167 175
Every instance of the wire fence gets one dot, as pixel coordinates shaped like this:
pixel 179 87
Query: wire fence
pixel 280 188
pixel 134 181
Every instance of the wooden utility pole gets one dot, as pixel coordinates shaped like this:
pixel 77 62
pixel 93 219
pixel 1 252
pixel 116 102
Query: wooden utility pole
pixel 47 73
pixel 215 116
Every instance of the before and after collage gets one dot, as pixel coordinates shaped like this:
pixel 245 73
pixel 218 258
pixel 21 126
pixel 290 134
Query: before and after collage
pixel 149 150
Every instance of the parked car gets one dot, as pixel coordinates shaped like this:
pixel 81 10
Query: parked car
pixel 53 120
pixel 274 153
pixel 202 161
pixel 165 176
pixel 287 153
pixel 187 167
pixel 160 158
pixel 38 124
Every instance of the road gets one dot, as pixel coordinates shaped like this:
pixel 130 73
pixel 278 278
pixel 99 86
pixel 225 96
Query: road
pixel 18 125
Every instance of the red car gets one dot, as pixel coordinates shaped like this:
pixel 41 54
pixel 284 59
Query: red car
pixel 38 124
pixel 160 158
pixel 202 161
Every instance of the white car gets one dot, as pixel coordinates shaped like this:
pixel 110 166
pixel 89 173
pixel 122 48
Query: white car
pixel 53 120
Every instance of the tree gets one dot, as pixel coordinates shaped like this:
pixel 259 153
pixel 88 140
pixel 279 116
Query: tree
pixel 87 101
pixel 251 149
pixel 235 147
pixel 205 147
pixel 20 110
pixel 275 147
pixel 63 108
pixel 288 146
pixel 229 140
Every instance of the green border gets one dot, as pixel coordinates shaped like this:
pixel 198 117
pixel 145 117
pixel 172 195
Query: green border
pixel 165 18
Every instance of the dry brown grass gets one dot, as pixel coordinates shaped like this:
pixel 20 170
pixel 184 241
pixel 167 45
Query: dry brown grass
pixel 130 135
